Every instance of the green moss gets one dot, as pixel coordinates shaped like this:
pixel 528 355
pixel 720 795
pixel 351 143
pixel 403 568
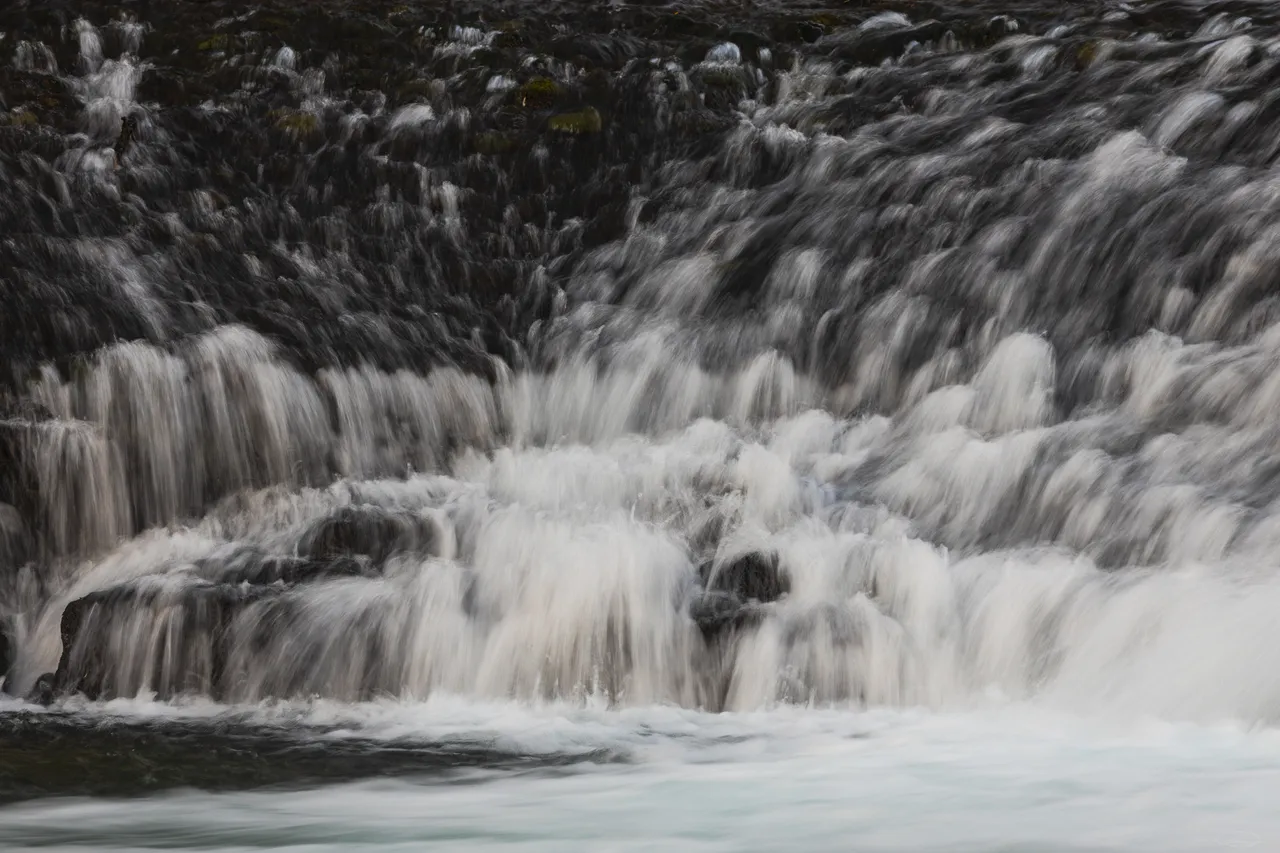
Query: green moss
pixel 221 41
pixel 493 142
pixel 826 20
pixel 295 122
pixel 22 118
pixel 539 93
pixel 1086 53
pixel 582 121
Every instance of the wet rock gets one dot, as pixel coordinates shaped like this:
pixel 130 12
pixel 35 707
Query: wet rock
pixel 494 142
pixel 612 50
pixel 34 98
pixel 6 654
pixel 296 123
pixel 191 651
pixel 582 121
pixel 736 594
pixel 18 495
pixel 220 42
pixel 873 46
pixel 128 127
pixel 16 543
pixel 539 93
pixel 751 577
pixel 44 691
pixel 722 86
pixel 369 531
pixel 720 614
pixel 255 567
pixel 174 87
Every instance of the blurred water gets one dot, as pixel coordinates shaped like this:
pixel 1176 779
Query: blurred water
pixel 899 383
pixel 996 780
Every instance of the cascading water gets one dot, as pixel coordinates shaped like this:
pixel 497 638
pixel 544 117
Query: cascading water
pixel 887 383
pixel 857 357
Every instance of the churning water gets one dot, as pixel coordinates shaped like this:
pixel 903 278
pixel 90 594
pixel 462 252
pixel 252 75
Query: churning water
pixel 821 429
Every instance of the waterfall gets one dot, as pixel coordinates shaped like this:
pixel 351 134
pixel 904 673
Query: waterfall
pixel 887 361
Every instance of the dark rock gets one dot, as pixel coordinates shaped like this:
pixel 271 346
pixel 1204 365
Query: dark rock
pixel 43 692
pixel 604 51
pixel 719 614
pixel 6 654
pixel 197 618
pixel 750 577
pixel 735 594
pixel 254 567
pixel 871 47
pixel 369 531
pixel 18 499
pixel 128 127
pixel 42 96
pixel 582 121
pixel 16 543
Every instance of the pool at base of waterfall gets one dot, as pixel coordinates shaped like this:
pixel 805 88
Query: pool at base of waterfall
pixel 449 773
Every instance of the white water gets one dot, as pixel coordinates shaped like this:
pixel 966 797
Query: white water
pixel 918 547
pixel 1004 778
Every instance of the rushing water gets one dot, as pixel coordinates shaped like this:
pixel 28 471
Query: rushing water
pixel 817 428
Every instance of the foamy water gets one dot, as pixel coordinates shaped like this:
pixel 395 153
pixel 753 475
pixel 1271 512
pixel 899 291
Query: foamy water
pixel 997 780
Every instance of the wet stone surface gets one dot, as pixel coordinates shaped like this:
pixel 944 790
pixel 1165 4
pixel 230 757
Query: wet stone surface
pixel 46 754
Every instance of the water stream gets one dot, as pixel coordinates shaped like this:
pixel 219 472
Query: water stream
pixel 910 369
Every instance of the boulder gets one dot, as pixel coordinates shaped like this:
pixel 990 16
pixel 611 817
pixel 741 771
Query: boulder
pixel 197 616
pixel 754 576
pixel 44 691
pixel 735 593
pixel 369 531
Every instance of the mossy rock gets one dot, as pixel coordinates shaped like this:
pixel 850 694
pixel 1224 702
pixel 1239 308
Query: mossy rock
pixel 220 41
pixel 508 40
pixel 493 142
pixel 295 122
pixel 725 78
pixel 271 23
pixel 539 93
pixel 415 89
pixel 582 121
pixel 44 96
pixel 21 118
pixel 1085 54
